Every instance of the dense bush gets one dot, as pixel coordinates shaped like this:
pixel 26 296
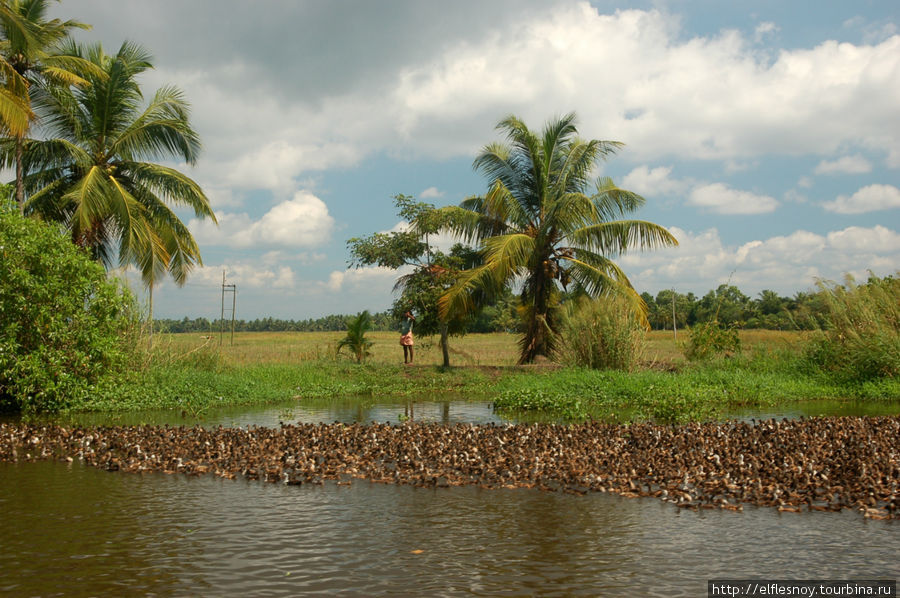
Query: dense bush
pixel 62 322
pixel 710 339
pixel 605 333
pixel 860 339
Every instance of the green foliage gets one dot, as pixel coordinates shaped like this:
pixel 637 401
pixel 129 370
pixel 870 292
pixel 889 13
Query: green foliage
pixel 434 272
pixel 710 339
pixel 421 290
pixel 545 224
pixel 566 406
pixel 727 305
pixel 603 333
pixel 97 173
pixel 63 325
pixel 861 337
pixel 356 339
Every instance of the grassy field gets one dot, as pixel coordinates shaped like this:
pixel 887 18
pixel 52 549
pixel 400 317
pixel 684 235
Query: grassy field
pixel 192 372
pixel 492 350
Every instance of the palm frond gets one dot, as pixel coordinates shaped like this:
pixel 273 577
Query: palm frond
pixel 614 202
pixel 620 236
pixel 15 114
pixel 505 256
pixel 604 278
pixel 162 130
pixel 171 185
pixel 470 224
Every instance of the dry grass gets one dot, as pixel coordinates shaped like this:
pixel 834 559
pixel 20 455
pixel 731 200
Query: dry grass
pixel 662 347
pixel 496 349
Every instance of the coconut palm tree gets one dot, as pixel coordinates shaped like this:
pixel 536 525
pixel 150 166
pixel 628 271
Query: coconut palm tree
pixel 97 174
pixel 15 111
pixel 30 45
pixel 540 226
pixel 356 339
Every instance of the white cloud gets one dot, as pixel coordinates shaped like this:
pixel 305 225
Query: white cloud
pixel 855 164
pixel 703 97
pixel 431 193
pixel 375 280
pixel 764 29
pixel 722 199
pixel 868 199
pixel 647 181
pixel 785 264
pixel 275 165
pixel 877 239
pixel 632 75
pixel 303 221
pixel 245 275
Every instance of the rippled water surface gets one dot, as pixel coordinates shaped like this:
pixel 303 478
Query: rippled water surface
pixel 77 531
pixel 66 529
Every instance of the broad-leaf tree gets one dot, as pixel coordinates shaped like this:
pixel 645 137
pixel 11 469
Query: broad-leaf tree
pixel 433 272
pixel 544 225
pixel 32 47
pixel 98 173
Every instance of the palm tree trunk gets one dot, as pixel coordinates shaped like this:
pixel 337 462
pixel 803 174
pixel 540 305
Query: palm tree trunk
pixel 20 174
pixel 151 315
pixel 445 344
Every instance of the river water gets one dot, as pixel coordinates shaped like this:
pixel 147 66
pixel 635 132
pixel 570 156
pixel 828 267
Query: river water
pixel 66 529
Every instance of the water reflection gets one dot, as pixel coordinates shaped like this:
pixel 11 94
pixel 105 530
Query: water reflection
pixel 441 409
pixel 81 531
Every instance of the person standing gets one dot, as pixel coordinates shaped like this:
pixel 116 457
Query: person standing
pixel 406 336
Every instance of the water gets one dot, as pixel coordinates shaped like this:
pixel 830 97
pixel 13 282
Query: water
pixel 66 529
pixel 76 531
pixel 447 410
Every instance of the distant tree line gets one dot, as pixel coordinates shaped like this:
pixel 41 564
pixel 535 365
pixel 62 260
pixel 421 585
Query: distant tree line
pixel 333 323
pixel 726 304
pixel 730 307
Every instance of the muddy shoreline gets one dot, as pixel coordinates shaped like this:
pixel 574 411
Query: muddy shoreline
pixel 826 464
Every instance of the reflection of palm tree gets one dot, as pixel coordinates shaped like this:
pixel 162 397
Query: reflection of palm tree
pixel 30 47
pixel 537 223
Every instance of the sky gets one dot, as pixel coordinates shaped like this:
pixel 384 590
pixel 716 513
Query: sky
pixel 765 135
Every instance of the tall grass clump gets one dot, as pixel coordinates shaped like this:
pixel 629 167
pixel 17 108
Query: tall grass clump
pixel 604 333
pixel 861 337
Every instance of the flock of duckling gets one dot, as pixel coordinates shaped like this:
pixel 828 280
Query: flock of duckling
pixel 824 464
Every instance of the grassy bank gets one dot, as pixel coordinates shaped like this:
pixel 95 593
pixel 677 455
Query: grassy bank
pixel 194 373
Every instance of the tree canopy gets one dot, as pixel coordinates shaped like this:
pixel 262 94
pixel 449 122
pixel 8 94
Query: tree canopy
pixel 97 173
pixel 544 225
pixel 431 272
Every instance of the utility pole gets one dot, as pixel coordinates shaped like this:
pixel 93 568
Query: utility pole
pixel 227 288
